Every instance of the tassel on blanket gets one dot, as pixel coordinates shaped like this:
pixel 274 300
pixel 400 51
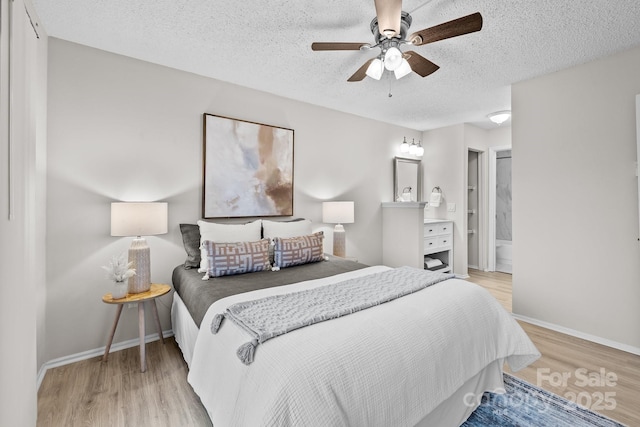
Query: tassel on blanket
pixel 246 351
pixel 216 323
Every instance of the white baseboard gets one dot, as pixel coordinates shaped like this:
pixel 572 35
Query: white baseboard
pixel 462 276
pixel 72 358
pixel 581 335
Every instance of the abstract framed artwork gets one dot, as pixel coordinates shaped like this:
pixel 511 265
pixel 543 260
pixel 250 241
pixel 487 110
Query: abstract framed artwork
pixel 248 169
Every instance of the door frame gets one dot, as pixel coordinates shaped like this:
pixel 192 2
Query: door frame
pixel 481 189
pixel 491 240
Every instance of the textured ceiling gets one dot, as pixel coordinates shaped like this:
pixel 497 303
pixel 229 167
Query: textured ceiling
pixel 266 46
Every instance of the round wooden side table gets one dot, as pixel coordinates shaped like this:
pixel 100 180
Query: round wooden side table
pixel 149 297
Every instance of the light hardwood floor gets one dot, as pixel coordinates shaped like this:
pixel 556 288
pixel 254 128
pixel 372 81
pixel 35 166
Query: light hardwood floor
pixel 115 393
pixel 578 361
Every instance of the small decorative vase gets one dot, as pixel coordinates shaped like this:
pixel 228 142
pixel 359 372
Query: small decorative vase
pixel 120 290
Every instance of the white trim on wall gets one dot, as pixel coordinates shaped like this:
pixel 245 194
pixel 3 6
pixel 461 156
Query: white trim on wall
pixel 578 334
pixel 73 358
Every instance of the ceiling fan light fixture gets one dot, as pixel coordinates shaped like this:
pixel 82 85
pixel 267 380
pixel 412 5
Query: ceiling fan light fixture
pixel 403 69
pixel 375 69
pixel 392 58
pixel 499 117
pixel 390 29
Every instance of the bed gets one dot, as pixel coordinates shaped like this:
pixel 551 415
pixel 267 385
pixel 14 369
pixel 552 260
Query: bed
pixel 422 359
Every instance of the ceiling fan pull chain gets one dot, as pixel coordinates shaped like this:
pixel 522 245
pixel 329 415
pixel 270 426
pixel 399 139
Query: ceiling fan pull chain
pixel 390 83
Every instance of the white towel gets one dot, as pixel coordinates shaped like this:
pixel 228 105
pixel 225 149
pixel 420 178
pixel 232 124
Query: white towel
pixel 435 199
pixel 430 262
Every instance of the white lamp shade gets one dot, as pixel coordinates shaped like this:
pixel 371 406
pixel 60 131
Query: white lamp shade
pixel 139 219
pixel 337 212
pixel 374 70
pixel 403 69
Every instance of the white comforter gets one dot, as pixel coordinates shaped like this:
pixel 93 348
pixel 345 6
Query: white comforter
pixel 389 365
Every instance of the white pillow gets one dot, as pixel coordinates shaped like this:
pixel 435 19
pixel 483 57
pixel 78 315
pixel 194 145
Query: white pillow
pixel 286 229
pixel 226 233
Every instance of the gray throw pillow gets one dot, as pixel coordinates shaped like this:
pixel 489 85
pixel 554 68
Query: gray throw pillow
pixel 191 241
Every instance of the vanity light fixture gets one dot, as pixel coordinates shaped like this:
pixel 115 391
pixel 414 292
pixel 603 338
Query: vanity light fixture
pixel 413 148
pixel 419 149
pixel 499 117
pixel 404 147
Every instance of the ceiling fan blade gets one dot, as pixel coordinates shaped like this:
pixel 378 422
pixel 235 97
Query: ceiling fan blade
pixel 457 27
pixel 361 73
pixel 419 64
pixel 388 13
pixel 337 46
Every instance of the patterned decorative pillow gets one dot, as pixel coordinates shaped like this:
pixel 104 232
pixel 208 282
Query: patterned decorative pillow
pixel 226 259
pixel 226 233
pixel 293 228
pixel 298 250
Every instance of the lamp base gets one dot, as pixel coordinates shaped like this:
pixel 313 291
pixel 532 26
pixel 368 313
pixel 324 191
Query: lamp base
pixel 139 255
pixel 339 241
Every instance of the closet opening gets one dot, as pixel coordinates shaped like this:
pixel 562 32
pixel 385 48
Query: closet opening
pixel 473 211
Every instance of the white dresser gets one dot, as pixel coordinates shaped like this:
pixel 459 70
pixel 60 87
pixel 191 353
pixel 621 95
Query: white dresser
pixel 438 242
pixel 407 237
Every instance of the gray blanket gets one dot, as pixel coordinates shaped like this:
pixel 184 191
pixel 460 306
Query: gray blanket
pixel 198 294
pixel 269 317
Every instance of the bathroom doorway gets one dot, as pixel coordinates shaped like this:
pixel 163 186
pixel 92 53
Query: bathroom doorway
pixel 500 203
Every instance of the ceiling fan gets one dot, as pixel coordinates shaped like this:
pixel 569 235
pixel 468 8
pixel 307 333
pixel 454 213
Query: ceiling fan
pixel 390 28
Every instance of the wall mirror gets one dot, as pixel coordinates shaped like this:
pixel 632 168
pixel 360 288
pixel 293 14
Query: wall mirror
pixel 407 177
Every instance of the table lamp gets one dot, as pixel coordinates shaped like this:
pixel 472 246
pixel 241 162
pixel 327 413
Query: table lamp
pixel 139 219
pixel 338 213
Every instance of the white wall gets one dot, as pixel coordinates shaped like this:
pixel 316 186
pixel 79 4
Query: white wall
pixel 22 143
pixel 124 129
pixel 444 166
pixel 576 253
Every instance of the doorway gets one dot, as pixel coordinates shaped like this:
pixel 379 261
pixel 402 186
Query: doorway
pixel 473 210
pixel 500 198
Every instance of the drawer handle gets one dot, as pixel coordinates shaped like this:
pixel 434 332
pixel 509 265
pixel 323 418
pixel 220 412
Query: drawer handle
pixel 430 230
pixel 444 228
pixel 444 241
pixel 430 243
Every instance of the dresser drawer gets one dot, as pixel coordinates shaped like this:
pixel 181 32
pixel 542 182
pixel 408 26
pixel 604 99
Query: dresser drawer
pixel 430 243
pixel 444 242
pixel 431 229
pixel 446 228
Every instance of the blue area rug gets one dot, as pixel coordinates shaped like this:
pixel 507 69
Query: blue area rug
pixel 525 405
